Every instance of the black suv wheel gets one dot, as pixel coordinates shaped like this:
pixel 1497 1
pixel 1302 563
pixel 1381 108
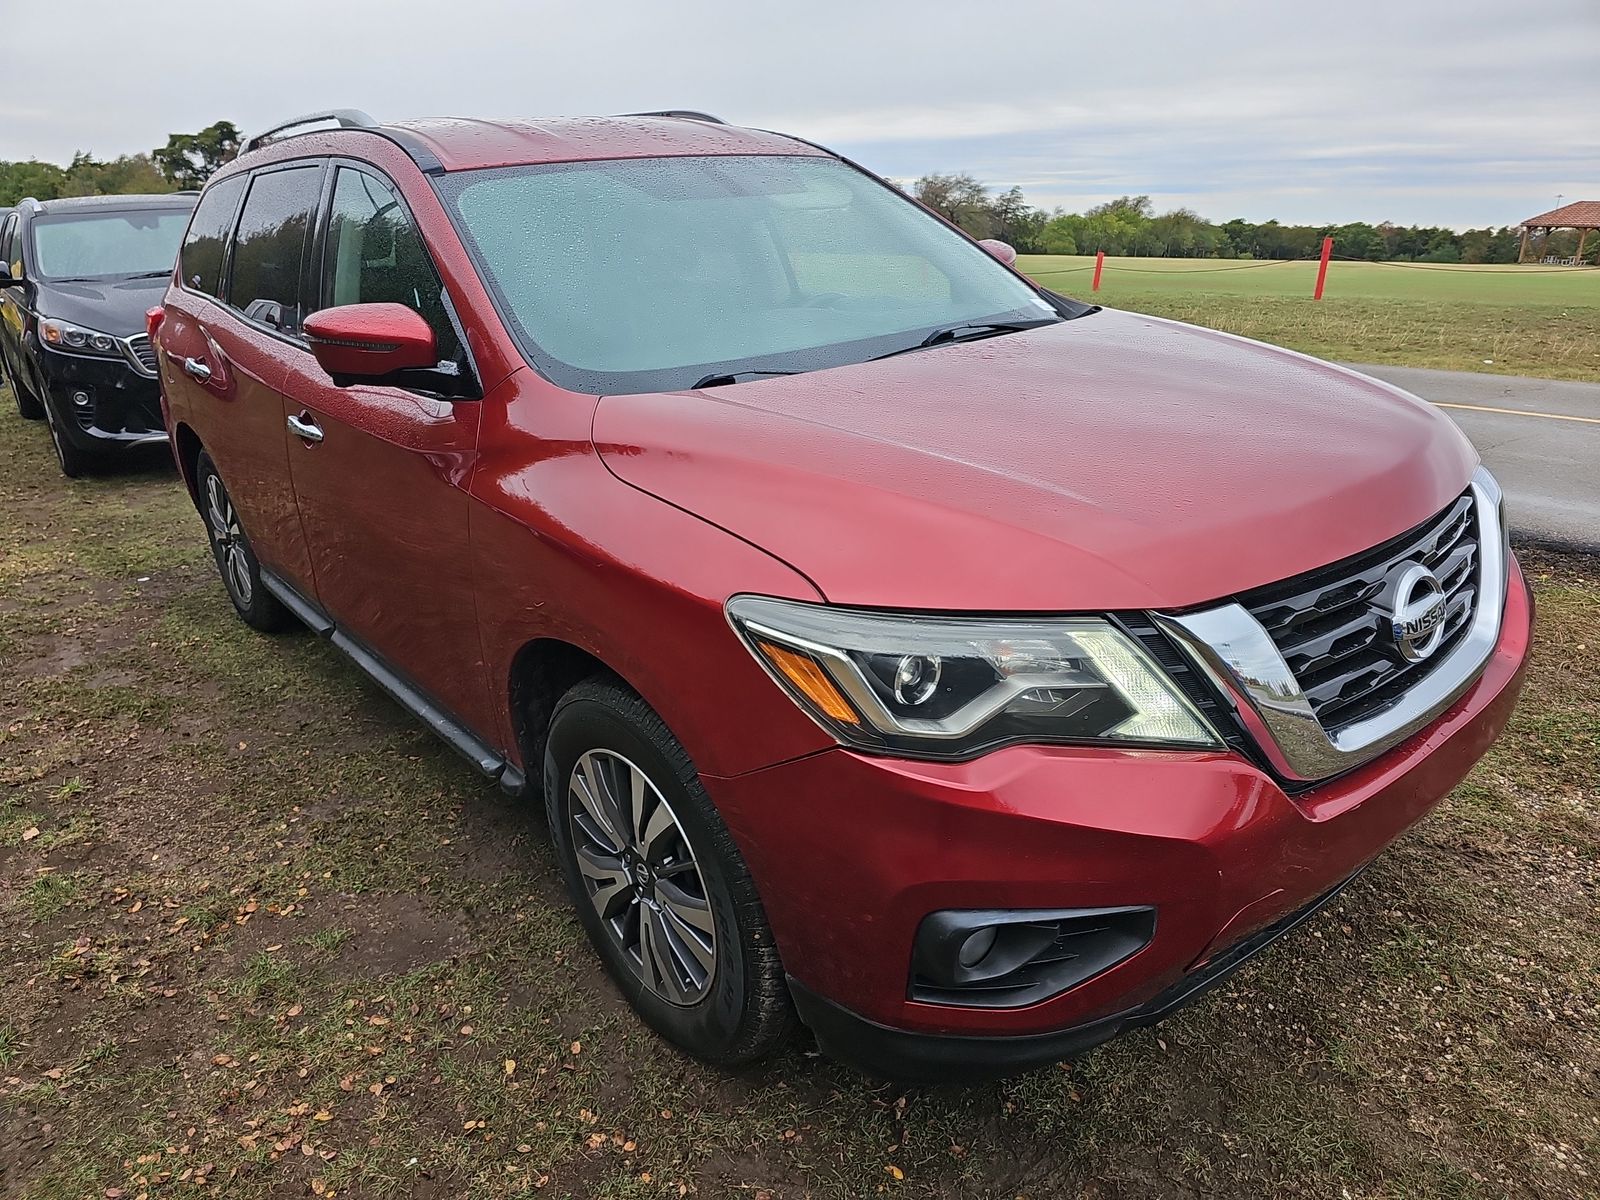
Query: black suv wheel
pixel 75 464
pixel 658 883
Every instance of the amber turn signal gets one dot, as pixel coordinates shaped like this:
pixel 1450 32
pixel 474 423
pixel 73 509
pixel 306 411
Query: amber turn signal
pixel 811 681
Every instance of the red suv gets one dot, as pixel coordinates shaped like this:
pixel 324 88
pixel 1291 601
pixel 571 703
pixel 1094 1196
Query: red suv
pixel 966 671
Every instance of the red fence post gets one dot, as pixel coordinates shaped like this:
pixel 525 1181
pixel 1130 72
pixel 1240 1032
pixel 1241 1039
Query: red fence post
pixel 1322 268
pixel 1099 265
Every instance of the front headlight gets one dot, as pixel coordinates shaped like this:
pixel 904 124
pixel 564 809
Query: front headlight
pixel 63 335
pixel 952 686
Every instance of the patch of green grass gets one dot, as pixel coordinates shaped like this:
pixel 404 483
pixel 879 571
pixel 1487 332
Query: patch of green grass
pixel 1500 320
pixel 15 820
pixel 10 1043
pixel 267 979
pixel 47 895
pixel 325 943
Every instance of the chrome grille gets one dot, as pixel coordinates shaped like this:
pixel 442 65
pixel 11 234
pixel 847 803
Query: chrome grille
pixel 1331 631
pixel 142 353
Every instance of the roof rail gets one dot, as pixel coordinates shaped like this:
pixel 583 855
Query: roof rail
pixel 687 114
pixel 348 118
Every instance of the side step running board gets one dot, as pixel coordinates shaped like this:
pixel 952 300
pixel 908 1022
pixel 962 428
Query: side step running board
pixel 455 735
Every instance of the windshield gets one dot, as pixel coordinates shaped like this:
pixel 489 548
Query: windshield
pixel 634 275
pixel 108 244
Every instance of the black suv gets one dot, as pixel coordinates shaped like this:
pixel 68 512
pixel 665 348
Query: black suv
pixel 78 276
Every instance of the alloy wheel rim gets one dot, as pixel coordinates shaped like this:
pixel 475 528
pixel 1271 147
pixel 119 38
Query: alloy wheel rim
pixel 228 538
pixel 640 874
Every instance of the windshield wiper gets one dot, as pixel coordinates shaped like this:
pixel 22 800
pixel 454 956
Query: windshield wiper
pixel 970 331
pixel 718 378
pixel 149 275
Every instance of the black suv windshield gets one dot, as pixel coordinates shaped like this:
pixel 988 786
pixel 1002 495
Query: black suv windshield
pixel 108 245
pixel 635 275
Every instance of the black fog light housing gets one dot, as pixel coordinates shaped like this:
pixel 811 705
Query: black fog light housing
pixel 1008 958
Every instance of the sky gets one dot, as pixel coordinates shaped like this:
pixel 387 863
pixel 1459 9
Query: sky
pixel 1441 112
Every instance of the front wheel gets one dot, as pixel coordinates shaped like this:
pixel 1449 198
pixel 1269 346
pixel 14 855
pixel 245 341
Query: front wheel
pixel 28 406
pixel 659 885
pixel 236 561
pixel 75 464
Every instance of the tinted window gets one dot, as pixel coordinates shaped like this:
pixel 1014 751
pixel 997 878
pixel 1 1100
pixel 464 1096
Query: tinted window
pixel 208 235
pixel 113 245
pixel 269 246
pixel 375 254
pixel 645 274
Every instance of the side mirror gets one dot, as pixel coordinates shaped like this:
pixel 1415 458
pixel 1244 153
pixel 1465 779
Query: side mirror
pixel 1001 250
pixel 370 342
pixel 6 280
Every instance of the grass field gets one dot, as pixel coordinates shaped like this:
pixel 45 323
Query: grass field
pixel 1511 320
pixel 262 935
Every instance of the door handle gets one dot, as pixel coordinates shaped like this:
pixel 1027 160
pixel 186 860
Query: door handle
pixel 304 427
pixel 197 368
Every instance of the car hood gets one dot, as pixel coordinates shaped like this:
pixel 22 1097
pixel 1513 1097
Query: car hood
pixel 116 307
pixel 1117 461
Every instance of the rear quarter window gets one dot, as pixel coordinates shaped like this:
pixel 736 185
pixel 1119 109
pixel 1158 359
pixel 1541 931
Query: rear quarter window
pixel 201 256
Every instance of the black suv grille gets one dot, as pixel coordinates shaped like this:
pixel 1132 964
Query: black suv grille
pixel 1328 631
pixel 143 351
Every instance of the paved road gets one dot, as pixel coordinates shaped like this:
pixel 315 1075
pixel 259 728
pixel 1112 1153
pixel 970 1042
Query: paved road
pixel 1543 444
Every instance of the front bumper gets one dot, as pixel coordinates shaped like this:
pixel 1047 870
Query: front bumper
pixel 931 1058
pixel 851 852
pixel 123 409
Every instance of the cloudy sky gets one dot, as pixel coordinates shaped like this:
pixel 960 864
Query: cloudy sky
pixel 1455 112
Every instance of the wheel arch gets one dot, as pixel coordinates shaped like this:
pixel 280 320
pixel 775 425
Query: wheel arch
pixel 186 448
pixel 542 671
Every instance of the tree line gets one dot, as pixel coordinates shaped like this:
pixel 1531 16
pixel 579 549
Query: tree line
pixel 186 161
pixel 1130 225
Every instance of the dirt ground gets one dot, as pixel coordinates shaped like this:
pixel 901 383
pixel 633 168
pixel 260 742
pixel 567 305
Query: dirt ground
pixel 261 935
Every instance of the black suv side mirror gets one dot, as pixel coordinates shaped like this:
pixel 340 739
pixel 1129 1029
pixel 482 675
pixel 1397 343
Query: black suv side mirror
pixel 7 281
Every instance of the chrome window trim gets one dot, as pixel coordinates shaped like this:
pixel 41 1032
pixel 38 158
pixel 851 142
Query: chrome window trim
pixel 1239 657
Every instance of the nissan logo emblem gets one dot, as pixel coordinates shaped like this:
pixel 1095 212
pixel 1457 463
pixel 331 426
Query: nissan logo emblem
pixel 1416 611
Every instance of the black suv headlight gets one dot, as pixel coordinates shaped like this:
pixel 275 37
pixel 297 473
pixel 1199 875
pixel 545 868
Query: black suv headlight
pixel 75 339
pixel 942 686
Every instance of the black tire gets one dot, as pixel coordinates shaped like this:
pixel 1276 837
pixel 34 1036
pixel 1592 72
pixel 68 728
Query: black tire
pixel 236 560
pixel 743 1010
pixel 28 406
pixel 75 464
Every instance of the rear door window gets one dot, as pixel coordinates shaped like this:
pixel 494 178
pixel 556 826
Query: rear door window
pixel 375 254
pixel 269 248
pixel 201 256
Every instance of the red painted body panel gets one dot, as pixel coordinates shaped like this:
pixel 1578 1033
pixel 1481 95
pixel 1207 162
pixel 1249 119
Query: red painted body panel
pixel 851 852
pixel 1107 463
pixel 1118 461
pixel 567 551
pixel 384 505
pixel 240 409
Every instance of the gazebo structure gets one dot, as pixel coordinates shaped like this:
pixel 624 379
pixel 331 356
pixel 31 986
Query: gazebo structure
pixel 1581 215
